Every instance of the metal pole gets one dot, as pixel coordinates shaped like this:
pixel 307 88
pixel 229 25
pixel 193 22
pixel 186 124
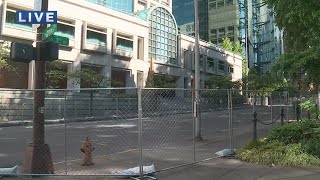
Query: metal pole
pixel 38 158
pixel 271 105
pixel 65 133
pixel 255 126
pixel 193 130
pixel 197 72
pixel 288 97
pixel 230 119
pixel 140 132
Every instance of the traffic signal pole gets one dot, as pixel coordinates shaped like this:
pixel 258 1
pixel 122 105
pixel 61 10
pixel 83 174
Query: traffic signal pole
pixel 38 156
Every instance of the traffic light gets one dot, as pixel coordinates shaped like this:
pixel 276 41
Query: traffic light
pixel 49 51
pixel 22 52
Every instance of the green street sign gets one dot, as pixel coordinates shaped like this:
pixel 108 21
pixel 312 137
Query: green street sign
pixel 59 39
pixel 49 31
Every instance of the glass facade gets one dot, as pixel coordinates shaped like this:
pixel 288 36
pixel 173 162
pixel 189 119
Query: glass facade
pixel 183 11
pixel 162 36
pixel 125 6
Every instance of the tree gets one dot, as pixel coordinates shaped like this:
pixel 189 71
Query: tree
pixel 222 82
pixel 55 75
pixel 90 78
pixel 237 48
pixel 164 81
pixel 227 44
pixel 4 55
pixel 266 82
pixel 300 21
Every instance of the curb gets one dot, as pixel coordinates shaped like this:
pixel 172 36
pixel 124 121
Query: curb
pixel 99 119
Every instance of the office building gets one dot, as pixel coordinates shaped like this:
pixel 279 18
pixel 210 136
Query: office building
pixel 120 45
pixel 249 21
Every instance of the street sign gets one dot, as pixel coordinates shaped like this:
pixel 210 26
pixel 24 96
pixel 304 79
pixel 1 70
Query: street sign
pixel 49 31
pixel 36 7
pixel 59 39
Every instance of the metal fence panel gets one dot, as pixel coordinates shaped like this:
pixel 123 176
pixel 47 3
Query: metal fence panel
pixel 167 131
pixel 110 120
pixel 214 105
pixel 161 133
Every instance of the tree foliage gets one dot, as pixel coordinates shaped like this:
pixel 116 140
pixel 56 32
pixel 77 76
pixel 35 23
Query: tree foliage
pixel 222 82
pixel 300 21
pixel 89 78
pixel 4 55
pixel 227 44
pixel 265 82
pixel 164 81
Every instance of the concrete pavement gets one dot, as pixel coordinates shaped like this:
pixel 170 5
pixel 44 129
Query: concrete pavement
pixel 217 169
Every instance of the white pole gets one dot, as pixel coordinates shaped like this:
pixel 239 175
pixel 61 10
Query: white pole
pixel 197 72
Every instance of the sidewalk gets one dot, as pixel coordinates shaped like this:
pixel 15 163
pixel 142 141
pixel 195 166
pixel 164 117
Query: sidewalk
pixel 219 169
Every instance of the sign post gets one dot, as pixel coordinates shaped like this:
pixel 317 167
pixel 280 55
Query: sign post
pixel 38 158
pixel 37 7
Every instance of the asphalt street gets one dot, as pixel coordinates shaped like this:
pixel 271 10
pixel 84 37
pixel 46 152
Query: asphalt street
pixel 167 140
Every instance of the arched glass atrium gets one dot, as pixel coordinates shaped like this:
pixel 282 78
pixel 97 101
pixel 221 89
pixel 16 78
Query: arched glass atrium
pixel 162 34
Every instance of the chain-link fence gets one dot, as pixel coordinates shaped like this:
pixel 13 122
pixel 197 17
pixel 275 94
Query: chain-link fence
pixel 108 131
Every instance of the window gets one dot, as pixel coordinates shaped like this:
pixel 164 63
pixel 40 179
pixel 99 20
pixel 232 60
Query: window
pixel 221 31
pixel 124 43
pixel 213 5
pixel 220 4
pixel 163 33
pixel 65 29
pixel 229 2
pixel 125 6
pixel 96 36
pixel 11 19
pixel 230 30
pixel 231 70
pixel 213 33
pixel 201 60
pixel 221 66
pixel 210 63
pixel 143 3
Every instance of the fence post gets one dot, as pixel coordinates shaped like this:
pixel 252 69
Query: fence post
pixel 193 126
pixel 230 119
pixel 282 116
pixel 140 132
pixel 255 126
pixel 65 134
pixel 298 112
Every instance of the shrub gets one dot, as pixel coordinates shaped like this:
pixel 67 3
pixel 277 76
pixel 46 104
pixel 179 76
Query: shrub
pixel 277 153
pixel 295 132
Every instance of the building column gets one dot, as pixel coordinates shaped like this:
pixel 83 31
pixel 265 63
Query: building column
pixel 106 72
pixel 109 41
pixel 145 49
pixel 148 4
pixel 114 41
pixel 131 81
pixel 74 83
pixel 135 47
pixel 78 34
pixel 188 83
pixel 180 84
pixel 31 75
